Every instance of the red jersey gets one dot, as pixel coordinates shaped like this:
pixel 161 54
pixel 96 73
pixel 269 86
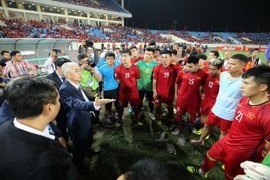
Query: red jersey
pixel 165 78
pixel 189 86
pixel 127 77
pixel 133 61
pixel 211 88
pixel 205 68
pixel 250 127
pixel 178 67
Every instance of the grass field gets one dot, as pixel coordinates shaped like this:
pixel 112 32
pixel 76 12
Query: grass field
pixel 118 153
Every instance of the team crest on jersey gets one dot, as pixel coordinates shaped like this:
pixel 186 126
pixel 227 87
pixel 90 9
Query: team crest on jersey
pixel 250 115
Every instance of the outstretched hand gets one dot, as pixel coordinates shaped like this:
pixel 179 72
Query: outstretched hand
pixel 100 102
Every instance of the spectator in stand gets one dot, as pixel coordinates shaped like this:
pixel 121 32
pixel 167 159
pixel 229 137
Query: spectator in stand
pixel 250 127
pixel 146 67
pixel 135 57
pixel 18 67
pixel 188 85
pixel 5 55
pixel 164 77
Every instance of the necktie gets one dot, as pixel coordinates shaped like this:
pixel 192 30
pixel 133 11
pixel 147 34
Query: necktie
pixel 63 79
pixel 81 92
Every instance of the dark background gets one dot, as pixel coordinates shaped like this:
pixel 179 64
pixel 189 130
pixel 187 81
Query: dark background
pixel 200 15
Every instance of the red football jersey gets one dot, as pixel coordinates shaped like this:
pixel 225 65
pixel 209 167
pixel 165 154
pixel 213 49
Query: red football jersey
pixel 189 86
pixel 133 61
pixel 178 67
pixel 211 88
pixel 165 78
pixel 127 76
pixel 250 127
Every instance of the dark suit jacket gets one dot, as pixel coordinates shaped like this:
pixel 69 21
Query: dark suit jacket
pixel 79 118
pixel 61 117
pixel 55 78
pixel 30 157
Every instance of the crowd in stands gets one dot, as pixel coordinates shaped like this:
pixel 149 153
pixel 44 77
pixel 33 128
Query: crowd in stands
pixel 98 4
pixel 18 28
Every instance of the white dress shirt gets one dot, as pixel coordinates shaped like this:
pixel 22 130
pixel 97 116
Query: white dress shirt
pixel 45 133
pixel 84 95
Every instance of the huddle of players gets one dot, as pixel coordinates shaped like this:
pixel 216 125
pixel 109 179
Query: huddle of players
pixel 202 90
pixel 163 82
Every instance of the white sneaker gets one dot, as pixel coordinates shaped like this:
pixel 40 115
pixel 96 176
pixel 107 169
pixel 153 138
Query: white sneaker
pixel 153 117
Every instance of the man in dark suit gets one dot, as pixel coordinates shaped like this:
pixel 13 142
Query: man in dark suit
pixel 58 78
pixel 28 150
pixel 78 108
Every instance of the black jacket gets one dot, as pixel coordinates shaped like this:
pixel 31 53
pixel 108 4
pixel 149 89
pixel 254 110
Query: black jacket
pixel 26 156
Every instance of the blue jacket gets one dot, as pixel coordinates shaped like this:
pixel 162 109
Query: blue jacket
pixel 78 113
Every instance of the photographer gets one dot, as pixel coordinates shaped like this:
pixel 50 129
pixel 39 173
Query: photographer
pixel 90 75
pixel 89 82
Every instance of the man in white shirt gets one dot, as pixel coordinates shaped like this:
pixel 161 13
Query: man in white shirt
pixel 49 63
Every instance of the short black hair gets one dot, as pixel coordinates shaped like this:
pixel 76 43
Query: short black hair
pixel 193 59
pixel 157 49
pixel 240 57
pixel 202 56
pixel 3 62
pixel 173 51
pixel 3 52
pixel 81 56
pixel 132 47
pixel 109 54
pixel 217 63
pixel 147 169
pixel 167 52
pixel 26 96
pixel 60 61
pixel 13 53
pixel 125 51
pixel 150 49
pixel 261 75
pixel 215 53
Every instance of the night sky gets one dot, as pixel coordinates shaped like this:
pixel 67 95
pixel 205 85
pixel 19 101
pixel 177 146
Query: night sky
pixel 200 15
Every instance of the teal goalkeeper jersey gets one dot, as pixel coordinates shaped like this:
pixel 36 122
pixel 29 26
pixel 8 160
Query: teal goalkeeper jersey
pixel 146 72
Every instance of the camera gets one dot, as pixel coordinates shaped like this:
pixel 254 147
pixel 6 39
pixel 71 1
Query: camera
pixel 57 50
pixel 91 63
pixel 89 43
